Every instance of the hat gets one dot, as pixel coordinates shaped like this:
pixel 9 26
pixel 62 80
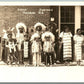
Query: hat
pixel 21 25
pixel 39 25
pixel 9 32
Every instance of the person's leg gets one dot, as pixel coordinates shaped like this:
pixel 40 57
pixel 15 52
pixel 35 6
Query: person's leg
pixel 13 56
pixel 34 59
pixel 20 57
pixel 40 60
pixel 42 57
pixel 56 52
pixel 49 58
pixel 61 54
pixel 16 59
pixel 52 57
pixel 37 59
pixel 8 58
pixel 11 59
pixel 45 58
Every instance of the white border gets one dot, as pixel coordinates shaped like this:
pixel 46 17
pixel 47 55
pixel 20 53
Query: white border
pixel 42 74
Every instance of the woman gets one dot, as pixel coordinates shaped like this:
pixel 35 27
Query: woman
pixel 25 48
pixel 66 42
pixel 78 41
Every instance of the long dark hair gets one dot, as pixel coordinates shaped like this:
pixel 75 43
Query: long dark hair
pixel 66 27
pixel 78 30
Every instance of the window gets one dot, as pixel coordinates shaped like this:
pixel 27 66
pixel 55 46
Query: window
pixel 54 13
pixel 68 17
pixel 82 19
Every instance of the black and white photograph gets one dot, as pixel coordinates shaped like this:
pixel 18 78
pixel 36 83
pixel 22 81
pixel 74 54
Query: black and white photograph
pixel 41 38
pixel 42 35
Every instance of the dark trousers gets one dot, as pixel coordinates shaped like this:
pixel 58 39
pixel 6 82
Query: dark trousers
pixel 11 58
pixel 49 58
pixel 56 48
pixel 20 57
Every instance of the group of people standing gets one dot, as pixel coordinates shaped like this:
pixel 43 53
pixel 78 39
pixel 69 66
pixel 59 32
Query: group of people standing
pixel 72 46
pixel 44 46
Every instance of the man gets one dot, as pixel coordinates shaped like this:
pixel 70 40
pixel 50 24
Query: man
pixel 54 30
pixel 21 29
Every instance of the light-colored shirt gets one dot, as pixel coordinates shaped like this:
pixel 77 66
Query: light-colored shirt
pixel 66 37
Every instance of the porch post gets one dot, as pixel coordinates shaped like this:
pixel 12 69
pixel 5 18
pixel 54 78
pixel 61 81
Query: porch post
pixel 77 17
pixel 59 19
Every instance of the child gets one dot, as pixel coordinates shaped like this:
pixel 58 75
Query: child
pixel 48 46
pixel 11 45
pixel 36 49
pixel 4 43
pixel 36 45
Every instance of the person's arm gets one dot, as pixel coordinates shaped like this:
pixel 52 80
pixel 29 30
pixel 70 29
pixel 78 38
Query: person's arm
pixel 74 39
pixel 31 39
pixel 42 37
pixel 60 37
pixel 22 45
pixel 83 40
pixel 7 44
pixel 3 43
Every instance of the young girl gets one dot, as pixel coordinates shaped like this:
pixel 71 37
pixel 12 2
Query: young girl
pixel 78 41
pixel 66 40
